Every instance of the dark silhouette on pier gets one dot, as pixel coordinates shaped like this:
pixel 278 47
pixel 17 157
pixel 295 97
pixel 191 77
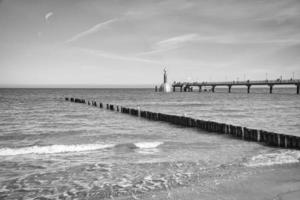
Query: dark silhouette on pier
pixel 188 86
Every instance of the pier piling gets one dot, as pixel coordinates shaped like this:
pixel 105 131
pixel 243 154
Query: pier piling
pixel 248 88
pixel 271 88
pixel 229 88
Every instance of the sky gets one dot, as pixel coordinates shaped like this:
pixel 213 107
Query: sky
pixel 130 42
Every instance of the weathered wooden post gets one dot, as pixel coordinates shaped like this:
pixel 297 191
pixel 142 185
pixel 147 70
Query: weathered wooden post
pixel 258 135
pixel 233 130
pixel 281 140
pixel 143 114
pixel 248 88
pixel 271 88
pixel 139 111
pixel 278 140
pixel 229 88
pixel 298 142
pixel 213 88
pixel 111 107
pixel 254 134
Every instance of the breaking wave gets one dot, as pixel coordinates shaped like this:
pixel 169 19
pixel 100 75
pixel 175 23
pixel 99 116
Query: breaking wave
pixel 52 149
pixel 147 145
pixel 281 157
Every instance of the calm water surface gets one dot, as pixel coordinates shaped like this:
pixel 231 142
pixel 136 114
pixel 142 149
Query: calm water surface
pixel 54 149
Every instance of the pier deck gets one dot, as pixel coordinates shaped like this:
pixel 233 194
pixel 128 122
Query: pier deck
pixel 188 86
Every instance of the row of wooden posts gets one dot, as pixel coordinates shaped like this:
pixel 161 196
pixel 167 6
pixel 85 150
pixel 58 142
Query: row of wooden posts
pixel 265 137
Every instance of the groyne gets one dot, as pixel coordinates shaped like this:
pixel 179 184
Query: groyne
pixel 239 132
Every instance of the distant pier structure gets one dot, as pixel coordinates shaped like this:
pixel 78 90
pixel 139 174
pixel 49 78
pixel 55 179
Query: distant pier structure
pixel 188 86
pixel 165 86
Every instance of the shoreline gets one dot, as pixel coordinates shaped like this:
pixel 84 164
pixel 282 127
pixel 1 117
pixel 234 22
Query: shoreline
pixel 278 182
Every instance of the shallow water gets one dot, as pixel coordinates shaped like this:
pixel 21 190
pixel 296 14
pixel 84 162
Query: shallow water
pixel 55 149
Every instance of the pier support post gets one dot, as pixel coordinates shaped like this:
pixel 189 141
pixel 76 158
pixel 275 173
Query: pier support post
pixel 139 111
pixel 174 89
pixel 229 88
pixel 248 88
pixel 200 88
pixel 271 89
pixel 298 86
pixel 213 88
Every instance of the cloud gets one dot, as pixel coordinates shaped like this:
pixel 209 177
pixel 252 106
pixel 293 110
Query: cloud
pixel 92 30
pixel 170 43
pixel 174 42
pixel 116 56
pixel 177 42
pixel 48 15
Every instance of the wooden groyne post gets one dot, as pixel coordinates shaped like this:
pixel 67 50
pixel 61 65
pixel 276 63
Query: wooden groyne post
pixel 243 133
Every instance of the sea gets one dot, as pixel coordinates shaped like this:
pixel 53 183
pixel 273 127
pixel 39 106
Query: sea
pixel 54 149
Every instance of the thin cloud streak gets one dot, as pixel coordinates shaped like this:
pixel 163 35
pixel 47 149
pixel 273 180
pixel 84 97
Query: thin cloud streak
pixel 117 57
pixel 227 39
pixel 179 41
pixel 92 30
pixel 175 41
pixel 170 44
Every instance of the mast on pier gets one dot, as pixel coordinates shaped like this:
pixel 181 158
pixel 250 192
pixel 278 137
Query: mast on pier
pixel 165 76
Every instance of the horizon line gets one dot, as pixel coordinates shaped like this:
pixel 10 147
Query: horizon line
pixel 12 86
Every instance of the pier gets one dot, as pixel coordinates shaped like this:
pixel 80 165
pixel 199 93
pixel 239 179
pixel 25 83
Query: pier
pixel 238 132
pixel 188 86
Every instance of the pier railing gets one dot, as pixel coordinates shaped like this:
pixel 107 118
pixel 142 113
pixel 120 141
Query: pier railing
pixel 188 86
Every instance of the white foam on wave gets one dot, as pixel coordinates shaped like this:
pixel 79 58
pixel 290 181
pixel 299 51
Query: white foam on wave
pixel 147 145
pixel 278 158
pixel 52 149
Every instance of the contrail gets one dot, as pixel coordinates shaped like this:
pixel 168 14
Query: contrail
pixel 92 30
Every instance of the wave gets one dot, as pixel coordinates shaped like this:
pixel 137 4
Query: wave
pixel 282 157
pixel 52 149
pixel 147 145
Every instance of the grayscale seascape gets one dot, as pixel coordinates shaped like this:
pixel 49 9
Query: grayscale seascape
pixel 149 99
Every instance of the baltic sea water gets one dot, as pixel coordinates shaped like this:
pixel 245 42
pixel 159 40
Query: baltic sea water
pixel 54 149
